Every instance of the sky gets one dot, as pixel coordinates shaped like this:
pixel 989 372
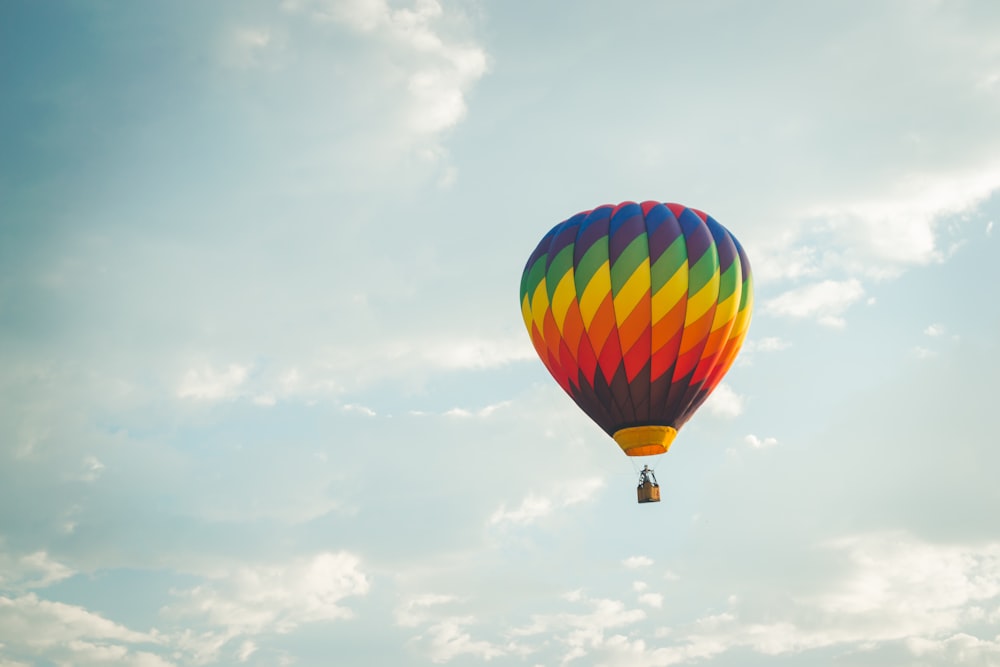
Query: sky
pixel 266 397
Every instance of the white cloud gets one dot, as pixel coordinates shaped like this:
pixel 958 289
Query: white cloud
pixel 439 71
pixel 413 612
pixel 989 228
pixel 957 649
pixel 209 384
pixel 68 634
pixel 900 228
pixel 758 443
pixel 360 409
pixel 246 47
pixel 896 591
pixel 477 354
pixel 445 636
pixel 988 81
pixel 580 491
pixel 771 344
pixel 34 570
pixel 784 260
pixel 247 649
pixel 580 633
pixel 449 639
pixel 934 330
pixel 92 468
pixel 6 662
pixel 482 412
pixel 535 507
pixel 905 581
pixel 411 357
pixel 651 600
pixel 246 601
pixel 825 301
pixel 724 402
pixel 531 509
pixel 635 562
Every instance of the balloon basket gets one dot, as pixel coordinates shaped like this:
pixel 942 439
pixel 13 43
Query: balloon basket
pixel 648 493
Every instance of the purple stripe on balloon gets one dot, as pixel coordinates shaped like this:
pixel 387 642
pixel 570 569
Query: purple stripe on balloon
pixel 593 228
pixel 699 240
pixel 626 224
pixel 724 243
pixel 662 230
pixel 541 248
pixel 565 236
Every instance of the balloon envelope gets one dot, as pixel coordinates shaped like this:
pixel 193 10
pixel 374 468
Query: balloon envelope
pixel 637 311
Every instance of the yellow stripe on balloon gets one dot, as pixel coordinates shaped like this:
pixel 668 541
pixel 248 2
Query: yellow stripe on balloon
pixel 636 287
pixel 706 297
pixel 563 297
pixel 539 304
pixel 594 294
pixel 670 294
pixel 726 311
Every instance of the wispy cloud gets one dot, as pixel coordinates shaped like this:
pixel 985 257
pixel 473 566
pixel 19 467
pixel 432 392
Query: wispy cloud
pixel 449 639
pixel 785 259
pixel 249 600
pixel 478 354
pixel 70 634
pixel 485 411
pixel 635 562
pixel 246 47
pixel 439 71
pixel 535 507
pixel 359 409
pixel 413 611
pixel 760 443
pixel 92 468
pixel 580 633
pixel 445 635
pixel 771 344
pixel 900 228
pixel 654 600
pixel 824 301
pixel 765 345
pixel 211 384
pixel 34 570
pixel 897 591
pixel 724 402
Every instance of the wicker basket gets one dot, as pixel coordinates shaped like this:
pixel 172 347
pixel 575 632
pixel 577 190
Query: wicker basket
pixel 648 493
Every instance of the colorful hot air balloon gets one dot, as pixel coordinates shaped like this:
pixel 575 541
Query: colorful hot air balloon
pixel 638 310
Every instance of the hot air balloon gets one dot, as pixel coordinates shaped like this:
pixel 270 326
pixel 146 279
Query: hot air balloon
pixel 637 311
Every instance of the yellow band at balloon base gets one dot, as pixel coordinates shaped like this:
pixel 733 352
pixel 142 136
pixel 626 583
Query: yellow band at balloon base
pixel 645 440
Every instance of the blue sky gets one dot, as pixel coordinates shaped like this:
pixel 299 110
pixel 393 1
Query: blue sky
pixel 267 398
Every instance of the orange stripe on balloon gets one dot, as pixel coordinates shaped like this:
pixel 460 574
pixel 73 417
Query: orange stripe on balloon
pixel 573 334
pixel 732 349
pixel 638 355
pixel 611 356
pixel 553 345
pixel 635 323
pixel 710 355
pixel 666 340
pixel 716 345
pixel 692 343
pixel 603 324
pixel 586 360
